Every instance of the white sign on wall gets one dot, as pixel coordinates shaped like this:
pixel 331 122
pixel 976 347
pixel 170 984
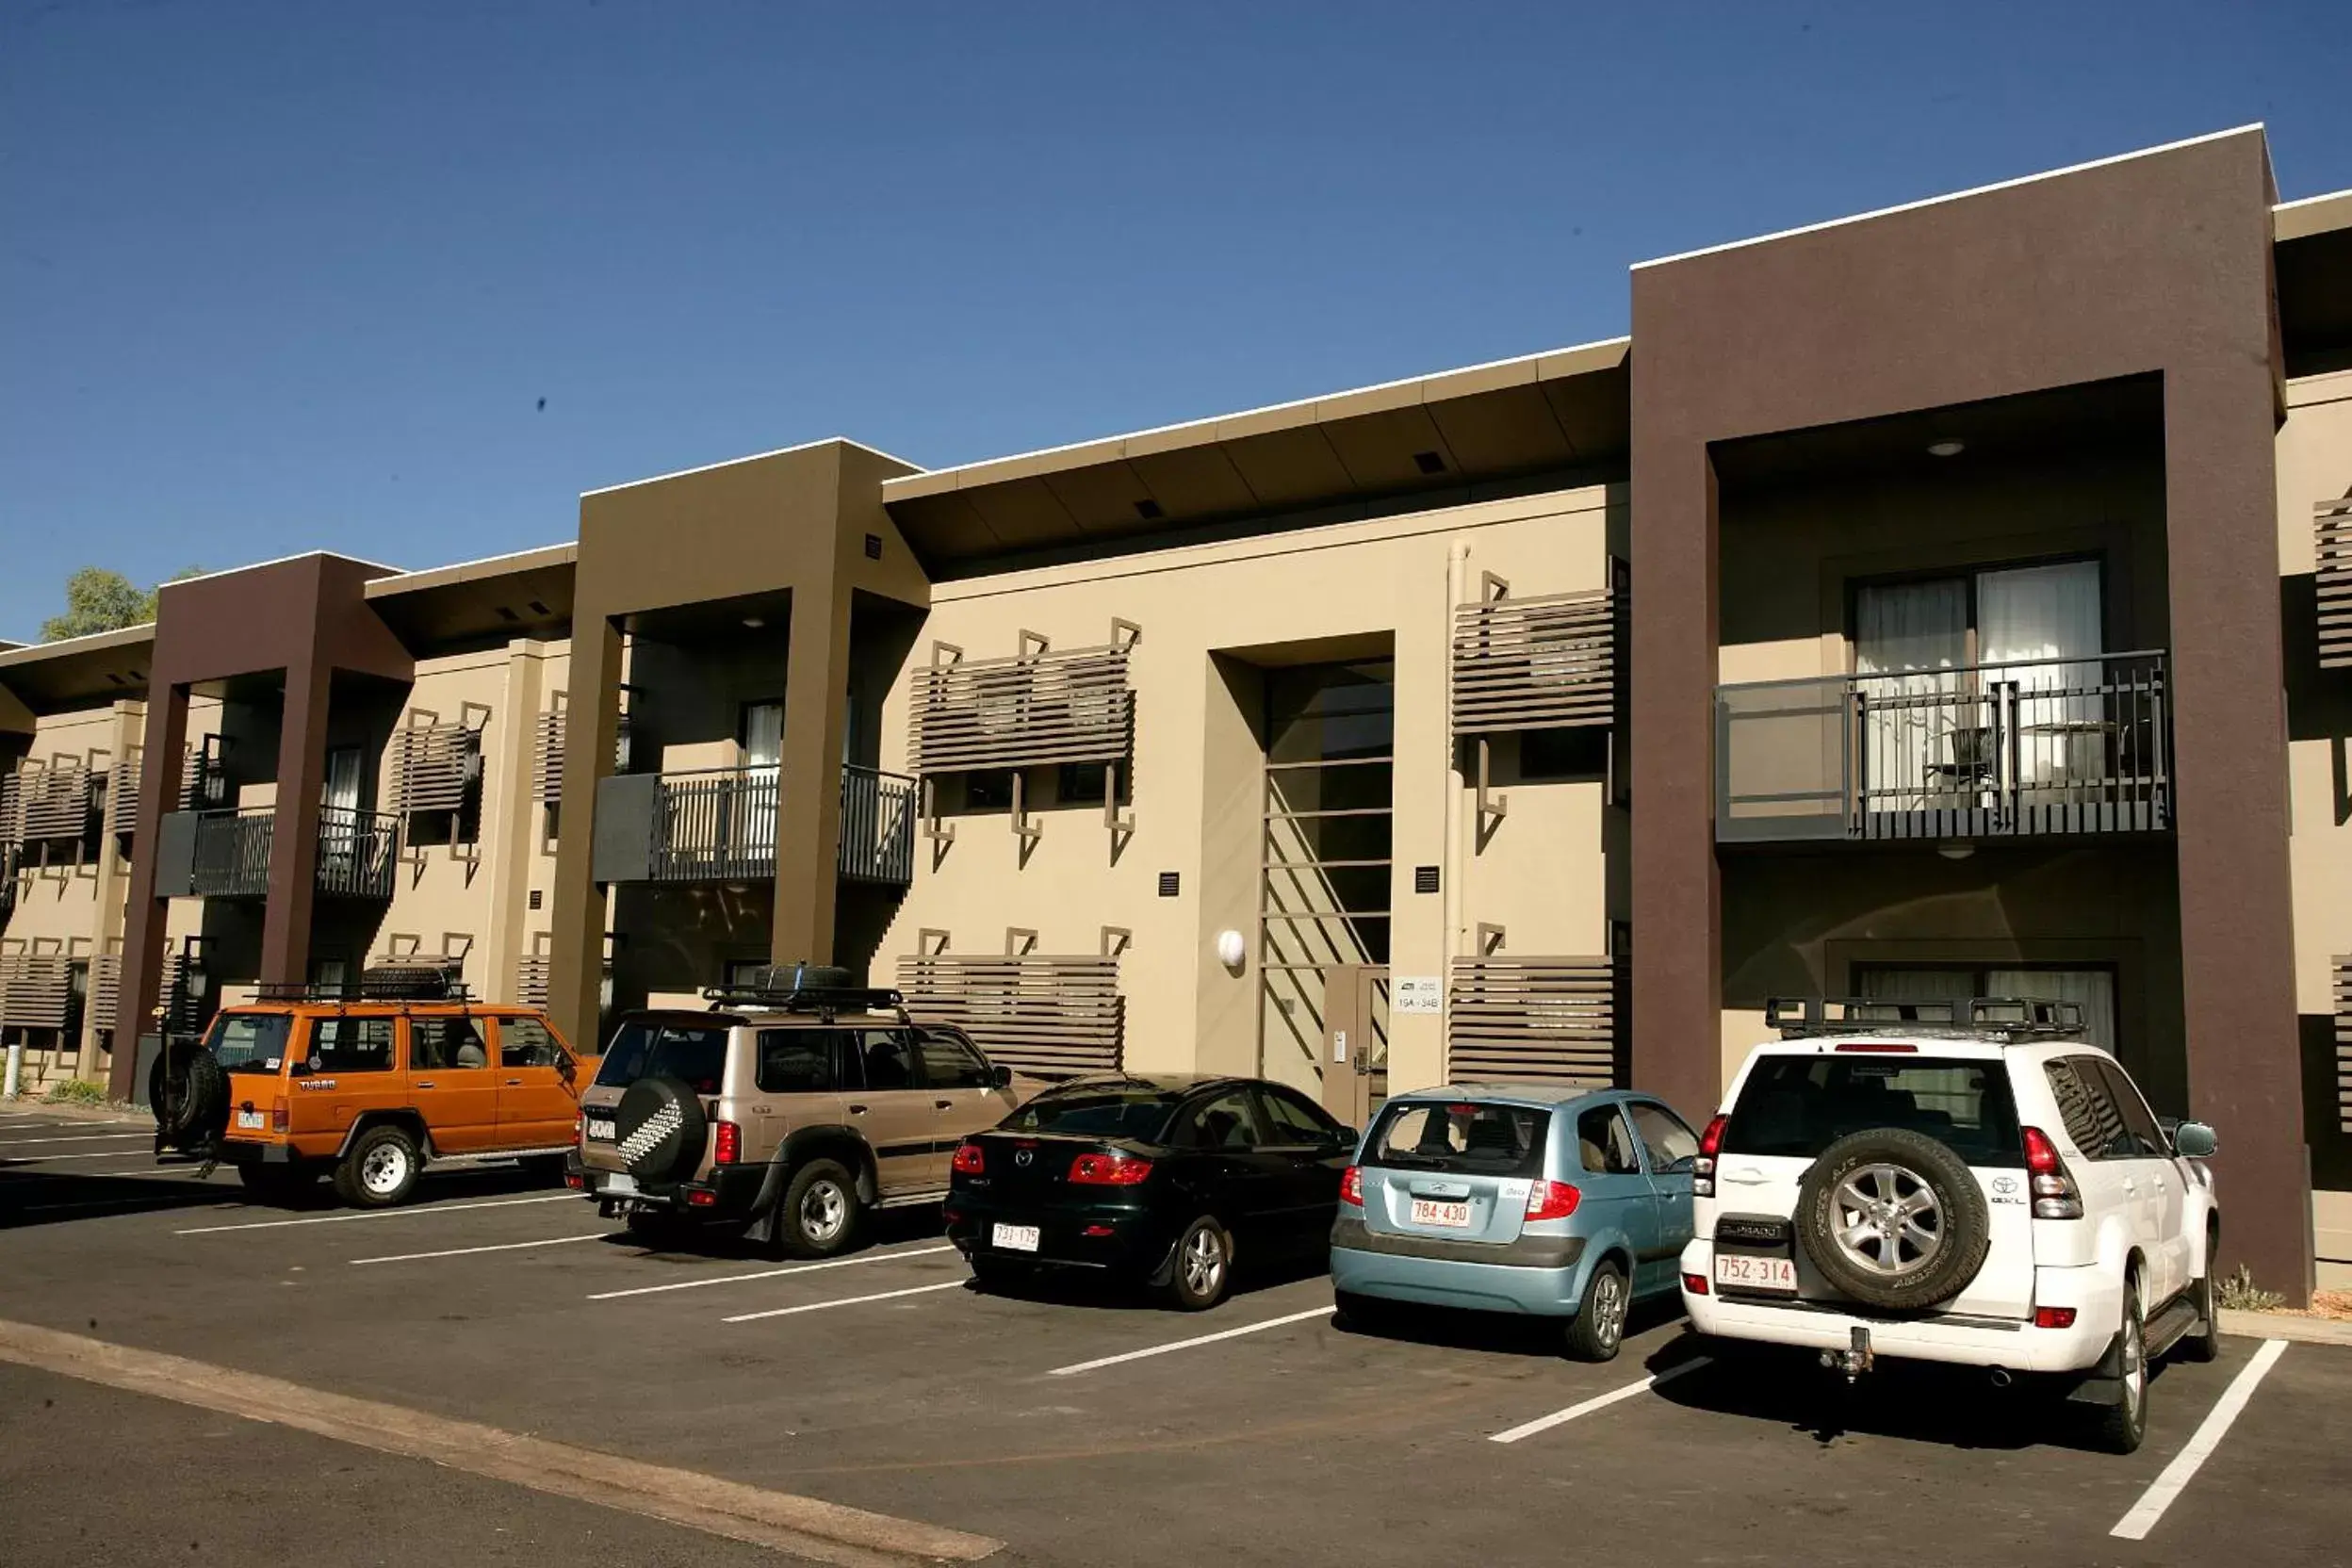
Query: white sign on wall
pixel 1415 993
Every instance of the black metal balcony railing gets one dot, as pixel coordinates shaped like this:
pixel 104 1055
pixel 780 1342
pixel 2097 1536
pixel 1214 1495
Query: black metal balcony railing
pixel 878 813
pixel 2060 746
pixel 717 825
pixel 357 851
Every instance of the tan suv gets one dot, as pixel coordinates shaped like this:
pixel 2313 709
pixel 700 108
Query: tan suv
pixel 786 1109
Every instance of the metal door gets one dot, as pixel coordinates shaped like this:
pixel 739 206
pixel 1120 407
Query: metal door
pixel 1355 1042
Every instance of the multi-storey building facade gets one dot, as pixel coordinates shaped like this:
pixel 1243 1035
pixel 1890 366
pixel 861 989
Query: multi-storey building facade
pixel 1952 601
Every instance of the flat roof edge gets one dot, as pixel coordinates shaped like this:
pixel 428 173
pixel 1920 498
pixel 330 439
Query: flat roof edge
pixel 89 641
pixel 753 457
pixel 2309 214
pixel 537 558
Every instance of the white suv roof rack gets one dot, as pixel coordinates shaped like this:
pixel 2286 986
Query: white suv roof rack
pixel 1994 1018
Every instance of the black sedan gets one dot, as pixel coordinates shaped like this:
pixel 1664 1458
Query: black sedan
pixel 1164 1178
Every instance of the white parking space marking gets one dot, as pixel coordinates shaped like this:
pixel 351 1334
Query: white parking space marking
pixel 2161 1491
pixel 845 1301
pixel 765 1273
pixel 377 1214
pixel 469 1251
pixel 74 1137
pixel 1599 1401
pixel 1188 1344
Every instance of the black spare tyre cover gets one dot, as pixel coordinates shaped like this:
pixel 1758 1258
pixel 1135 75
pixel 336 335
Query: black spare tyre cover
pixel 1893 1218
pixel 659 1128
pixel 190 1101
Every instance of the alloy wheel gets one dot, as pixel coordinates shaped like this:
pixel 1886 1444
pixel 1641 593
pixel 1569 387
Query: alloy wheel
pixel 1203 1262
pixel 823 1209
pixel 2135 1367
pixel 1609 1309
pixel 1888 1220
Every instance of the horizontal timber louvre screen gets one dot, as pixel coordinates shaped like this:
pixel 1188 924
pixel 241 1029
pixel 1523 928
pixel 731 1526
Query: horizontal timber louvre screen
pixel 106 990
pixel 546 772
pixel 1036 707
pixel 2343 1044
pixel 1533 1020
pixel 1032 1013
pixel 2331 525
pixel 1547 662
pixel 58 801
pixel 437 766
pixel 36 991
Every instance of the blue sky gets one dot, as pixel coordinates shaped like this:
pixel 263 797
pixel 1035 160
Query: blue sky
pixel 277 276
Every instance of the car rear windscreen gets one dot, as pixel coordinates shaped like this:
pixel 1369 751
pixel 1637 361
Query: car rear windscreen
pixel 1464 1137
pixel 1800 1105
pixel 1138 1112
pixel 249 1042
pixel 665 1048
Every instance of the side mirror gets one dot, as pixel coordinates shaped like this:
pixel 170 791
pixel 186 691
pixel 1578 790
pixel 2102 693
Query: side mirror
pixel 2193 1140
pixel 1001 1076
pixel 1345 1136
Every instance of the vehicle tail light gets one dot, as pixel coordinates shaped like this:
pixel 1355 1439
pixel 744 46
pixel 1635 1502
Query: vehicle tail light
pixel 1878 1048
pixel 580 1129
pixel 2053 1317
pixel 1113 1169
pixel 1694 1283
pixel 575 1180
pixel 1097 1231
pixel 1351 1185
pixel 726 1143
pixel 2055 1196
pixel 971 1160
pixel 700 1197
pixel 1552 1200
pixel 1702 1164
pixel 279 1117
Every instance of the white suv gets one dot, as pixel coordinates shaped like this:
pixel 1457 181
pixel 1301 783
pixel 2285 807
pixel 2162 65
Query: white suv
pixel 1967 1181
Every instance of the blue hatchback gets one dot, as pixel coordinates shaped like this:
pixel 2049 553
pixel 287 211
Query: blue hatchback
pixel 1555 1202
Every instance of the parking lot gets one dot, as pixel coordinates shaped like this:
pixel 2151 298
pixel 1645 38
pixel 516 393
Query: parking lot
pixel 1075 1426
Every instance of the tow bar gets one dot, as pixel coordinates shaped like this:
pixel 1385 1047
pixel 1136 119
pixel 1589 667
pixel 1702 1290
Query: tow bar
pixel 1854 1360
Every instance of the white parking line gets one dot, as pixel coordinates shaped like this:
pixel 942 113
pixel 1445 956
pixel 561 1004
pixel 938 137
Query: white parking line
pixel 1188 1344
pixel 377 1214
pixel 1599 1401
pixel 74 1137
pixel 766 1273
pixel 2161 1491
pixel 468 1251
pixel 845 1301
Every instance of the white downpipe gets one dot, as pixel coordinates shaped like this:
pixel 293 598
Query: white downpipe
pixel 1450 859
pixel 16 1070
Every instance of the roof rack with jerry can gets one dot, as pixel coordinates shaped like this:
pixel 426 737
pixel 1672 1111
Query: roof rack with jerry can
pixel 2003 1018
pixel 803 987
pixel 436 981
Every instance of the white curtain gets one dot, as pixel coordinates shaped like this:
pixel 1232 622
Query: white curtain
pixel 2092 990
pixel 2041 624
pixel 1909 640
pixel 764 749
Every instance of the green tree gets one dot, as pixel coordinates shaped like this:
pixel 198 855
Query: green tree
pixel 97 600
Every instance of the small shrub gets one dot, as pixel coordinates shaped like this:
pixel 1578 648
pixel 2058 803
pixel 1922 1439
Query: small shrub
pixel 76 1092
pixel 2239 1293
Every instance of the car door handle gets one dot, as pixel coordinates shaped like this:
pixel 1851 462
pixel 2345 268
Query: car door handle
pixel 421 1083
pixel 2130 1188
pixel 943 1104
pixel 857 1110
pixel 513 1083
pixel 1746 1178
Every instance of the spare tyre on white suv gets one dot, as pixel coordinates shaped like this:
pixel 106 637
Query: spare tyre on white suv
pixel 1965 1182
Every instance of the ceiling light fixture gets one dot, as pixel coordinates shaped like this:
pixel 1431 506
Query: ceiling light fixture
pixel 1947 448
pixel 753 623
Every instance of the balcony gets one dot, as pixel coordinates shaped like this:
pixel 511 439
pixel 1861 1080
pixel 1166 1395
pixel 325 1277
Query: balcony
pixel 719 824
pixel 226 853
pixel 1993 751
pixel 878 813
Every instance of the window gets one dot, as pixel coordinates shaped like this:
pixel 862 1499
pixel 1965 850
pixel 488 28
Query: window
pixel 1473 1139
pixel 525 1042
pixel 1580 752
pixel 2142 1138
pixel 1079 784
pixel 1292 1121
pixel 1110 1112
pixel 2091 989
pixel 1800 1105
pixel 1668 1144
pixel 890 1059
pixel 445 1044
pixel 948 1063
pixel 1605 1145
pixel 984 791
pixel 249 1042
pixel 2091 1119
pixel 1228 1121
pixel 664 1048
pixel 349 1045
pixel 802 1061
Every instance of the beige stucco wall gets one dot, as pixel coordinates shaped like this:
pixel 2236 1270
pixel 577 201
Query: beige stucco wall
pixel 1198 783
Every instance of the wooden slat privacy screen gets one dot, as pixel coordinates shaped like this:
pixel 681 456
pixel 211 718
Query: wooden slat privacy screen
pixel 36 991
pixel 1536 663
pixel 56 800
pixel 433 765
pixel 531 979
pixel 988 713
pixel 1032 1013
pixel 547 764
pixel 106 990
pixel 11 811
pixel 2343 1044
pixel 122 794
pixel 2332 522
pixel 1532 1021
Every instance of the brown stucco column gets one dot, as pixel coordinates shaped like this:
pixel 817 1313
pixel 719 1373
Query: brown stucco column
pixel 294 834
pixel 809 814
pixel 592 731
pixel 161 763
pixel 2230 772
pixel 1677 946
